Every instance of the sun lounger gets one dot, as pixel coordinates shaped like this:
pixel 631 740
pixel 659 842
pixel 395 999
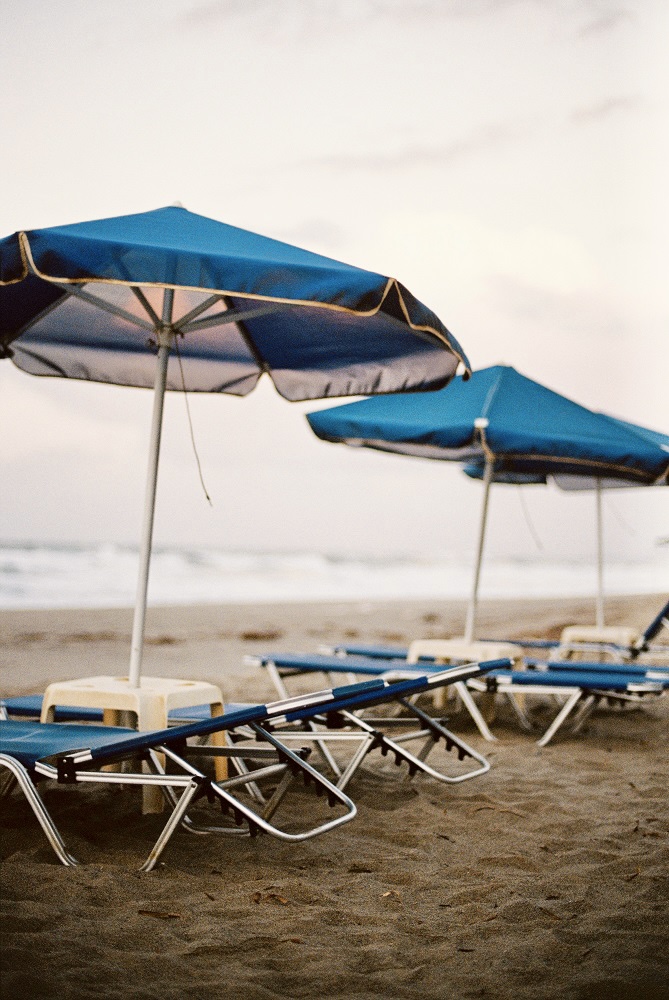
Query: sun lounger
pixel 581 689
pixel 611 642
pixel 413 725
pixel 582 685
pixel 615 641
pixel 280 666
pixel 362 733
pixel 76 753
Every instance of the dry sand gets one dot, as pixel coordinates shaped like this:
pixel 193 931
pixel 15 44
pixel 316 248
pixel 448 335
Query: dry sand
pixel 547 877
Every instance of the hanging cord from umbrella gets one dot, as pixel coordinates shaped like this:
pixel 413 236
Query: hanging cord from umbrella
pixel 190 423
pixel 528 520
pixel 620 519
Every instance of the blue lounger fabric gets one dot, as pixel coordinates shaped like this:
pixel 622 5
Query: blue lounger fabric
pixel 592 680
pixel 28 742
pixel 579 666
pixel 30 706
pixel 105 743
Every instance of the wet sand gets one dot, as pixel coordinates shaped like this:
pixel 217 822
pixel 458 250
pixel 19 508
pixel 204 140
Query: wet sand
pixel 547 877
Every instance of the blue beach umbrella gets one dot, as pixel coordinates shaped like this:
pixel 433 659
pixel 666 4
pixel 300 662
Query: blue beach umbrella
pixel 505 427
pixel 173 300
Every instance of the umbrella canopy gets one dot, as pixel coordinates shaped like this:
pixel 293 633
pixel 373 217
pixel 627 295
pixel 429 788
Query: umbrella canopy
pixel 175 300
pixel 86 301
pixel 507 428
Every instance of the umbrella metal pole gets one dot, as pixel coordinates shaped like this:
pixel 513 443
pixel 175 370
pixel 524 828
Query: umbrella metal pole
pixel 165 340
pixel 473 601
pixel 600 558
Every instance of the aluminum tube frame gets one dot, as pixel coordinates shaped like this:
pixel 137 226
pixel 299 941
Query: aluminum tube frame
pixel 165 341
pixel 24 781
pixel 599 616
pixel 473 601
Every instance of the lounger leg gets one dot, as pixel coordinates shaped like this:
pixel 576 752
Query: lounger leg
pixel 566 710
pixel 520 714
pixel 584 712
pixel 454 741
pixel 173 822
pixel 252 787
pixel 324 751
pixel 417 763
pixel 7 784
pixel 276 799
pixel 277 680
pixel 472 708
pixel 357 758
pixel 282 691
pixel 243 780
pixel 23 780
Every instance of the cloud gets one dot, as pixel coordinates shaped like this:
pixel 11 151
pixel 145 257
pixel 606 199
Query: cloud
pixel 605 108
pixel 328 15
pixel 205 14
pixel 427 156
pixel 321 235
pixel 605 22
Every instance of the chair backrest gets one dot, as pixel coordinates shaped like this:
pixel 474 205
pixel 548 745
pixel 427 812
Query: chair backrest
pixel 660 621
pixel 348 696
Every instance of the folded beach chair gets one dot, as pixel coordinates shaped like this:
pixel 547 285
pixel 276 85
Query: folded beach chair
pixel 78 753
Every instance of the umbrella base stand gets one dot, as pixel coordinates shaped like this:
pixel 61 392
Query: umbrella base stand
pixel 579 641
pixel 147 706
pixel 460 650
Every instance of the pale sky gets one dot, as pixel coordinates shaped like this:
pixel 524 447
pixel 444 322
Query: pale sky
pixel 504 159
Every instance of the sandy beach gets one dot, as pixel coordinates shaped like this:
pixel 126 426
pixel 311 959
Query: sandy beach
pixel 547 877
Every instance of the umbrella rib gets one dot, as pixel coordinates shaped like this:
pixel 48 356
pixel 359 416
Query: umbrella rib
pixel 45 312
pixel 141 297
pixel 109 307
pixel 182 323
pixel 54 368
pixel 247 338
pixel 93 300
pixel 227 316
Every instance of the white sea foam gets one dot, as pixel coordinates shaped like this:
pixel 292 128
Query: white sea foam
pixel 43 576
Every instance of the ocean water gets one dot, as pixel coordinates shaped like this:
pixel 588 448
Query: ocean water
pixel 54 576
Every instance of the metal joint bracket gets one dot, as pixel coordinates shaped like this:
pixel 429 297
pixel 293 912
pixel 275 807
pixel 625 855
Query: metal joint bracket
pixel 67 771
pixel 165 335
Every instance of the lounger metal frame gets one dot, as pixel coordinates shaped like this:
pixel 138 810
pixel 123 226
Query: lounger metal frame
pixel 582 699
pixel 430 730
pixel 286 764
